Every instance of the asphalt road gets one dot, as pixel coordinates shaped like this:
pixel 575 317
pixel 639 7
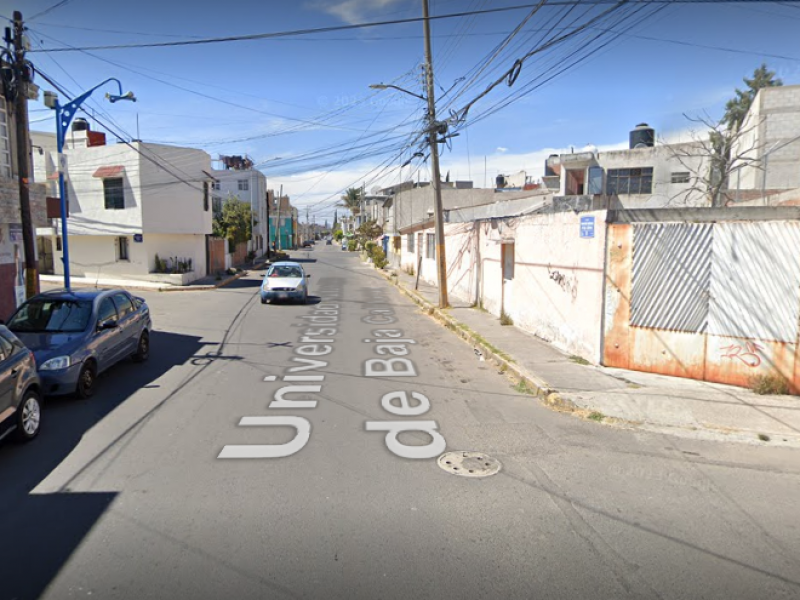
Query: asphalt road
pixel 126 496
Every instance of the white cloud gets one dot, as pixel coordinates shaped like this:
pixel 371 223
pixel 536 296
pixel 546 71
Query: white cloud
pixel 354 11
pixel 501 149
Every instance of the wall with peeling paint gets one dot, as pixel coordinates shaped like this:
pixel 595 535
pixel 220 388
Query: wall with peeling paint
pixel 749 300
pixel 556 289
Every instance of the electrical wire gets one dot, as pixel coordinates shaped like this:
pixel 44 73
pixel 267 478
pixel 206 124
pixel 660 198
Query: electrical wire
pixel 47 10
pixel 312 31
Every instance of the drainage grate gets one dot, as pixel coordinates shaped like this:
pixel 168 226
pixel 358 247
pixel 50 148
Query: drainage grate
pixel 469 464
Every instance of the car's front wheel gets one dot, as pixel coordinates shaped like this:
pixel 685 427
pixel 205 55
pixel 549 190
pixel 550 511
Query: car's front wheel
pixel 29 416
pixel 143 349
pixel 86 380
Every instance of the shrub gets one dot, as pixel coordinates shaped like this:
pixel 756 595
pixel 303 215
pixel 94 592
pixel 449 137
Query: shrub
pixel 769 384
pixel 505 319
pixel 379 257
pixel 352 245
pixel 369 247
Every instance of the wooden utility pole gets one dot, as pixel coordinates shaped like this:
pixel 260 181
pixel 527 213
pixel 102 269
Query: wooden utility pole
pixel 21 79
pixel 433 134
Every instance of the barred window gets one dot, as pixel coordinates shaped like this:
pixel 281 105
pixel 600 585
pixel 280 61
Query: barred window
pixel 410 242
pixel 680 177
pixel 629 181
pixel 431 249
pixel 113 193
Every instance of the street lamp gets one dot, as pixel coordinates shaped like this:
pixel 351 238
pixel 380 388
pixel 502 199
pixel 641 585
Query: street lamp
pixel 384 86
pixel 64 116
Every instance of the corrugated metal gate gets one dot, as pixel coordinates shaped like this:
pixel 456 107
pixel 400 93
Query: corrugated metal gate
pixel 714 301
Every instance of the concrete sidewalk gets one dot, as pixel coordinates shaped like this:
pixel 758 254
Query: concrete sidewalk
pixel 684 407
pixel 209 282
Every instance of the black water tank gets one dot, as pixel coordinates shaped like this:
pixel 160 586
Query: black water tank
pixel 643 136
pixel 548 170
pixel 500 181
pixel 80 124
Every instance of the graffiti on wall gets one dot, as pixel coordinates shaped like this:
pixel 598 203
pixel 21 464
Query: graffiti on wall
pixel 748 353
pixel 566 282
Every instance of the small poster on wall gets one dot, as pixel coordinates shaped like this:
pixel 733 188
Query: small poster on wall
pixel 12 252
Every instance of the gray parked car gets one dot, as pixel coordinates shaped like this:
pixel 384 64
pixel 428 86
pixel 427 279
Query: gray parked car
pixel 20 391
pixel 75 335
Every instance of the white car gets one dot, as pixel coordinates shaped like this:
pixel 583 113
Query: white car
pixel 285 281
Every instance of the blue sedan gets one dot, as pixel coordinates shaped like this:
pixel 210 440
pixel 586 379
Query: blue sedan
pixel 75 335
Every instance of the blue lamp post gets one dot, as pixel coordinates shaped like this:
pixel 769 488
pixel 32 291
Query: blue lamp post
pixel 64 116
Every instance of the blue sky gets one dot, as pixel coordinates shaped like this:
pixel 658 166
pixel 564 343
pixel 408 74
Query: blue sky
pixel 302 108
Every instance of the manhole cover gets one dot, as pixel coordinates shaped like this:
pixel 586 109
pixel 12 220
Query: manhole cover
pixel 469 464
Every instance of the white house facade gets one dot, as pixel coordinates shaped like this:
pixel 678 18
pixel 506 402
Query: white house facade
pixel 137 211
pixel 250 186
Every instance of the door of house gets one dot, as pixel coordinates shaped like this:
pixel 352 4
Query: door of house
pixel 45 251
pixel 507 260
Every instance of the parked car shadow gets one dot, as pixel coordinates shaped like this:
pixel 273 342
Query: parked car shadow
pixel 41 531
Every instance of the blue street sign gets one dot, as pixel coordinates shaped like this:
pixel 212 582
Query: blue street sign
pixel 137 237
pixel 587 227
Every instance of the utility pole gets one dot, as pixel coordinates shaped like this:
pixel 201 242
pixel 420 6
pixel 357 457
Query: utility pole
pixel 21 79
pixel 268 225
pixel 433 133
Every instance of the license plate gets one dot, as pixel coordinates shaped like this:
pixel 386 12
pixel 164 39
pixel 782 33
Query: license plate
pixel 282 295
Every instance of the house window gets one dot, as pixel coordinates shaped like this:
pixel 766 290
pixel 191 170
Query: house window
pixel 595 185
pixel 122 248
pixel 5 144
pixel 244 185
pixel 113 193
pixel 216 204
pixel 410 242
pixel 215 185
pixel 680 177
pixel 58 243
pixel 205 196
pixel 430 251
pixel 629 181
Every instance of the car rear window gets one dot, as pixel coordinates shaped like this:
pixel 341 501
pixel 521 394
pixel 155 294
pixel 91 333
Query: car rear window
pixel 45 315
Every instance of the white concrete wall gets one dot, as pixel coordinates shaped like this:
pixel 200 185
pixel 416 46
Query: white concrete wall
pixel 168 204
pixel 772 127
pixel 665 160
pixel 556 292
pixel 412 206
pixel 87 212
pixel 96 255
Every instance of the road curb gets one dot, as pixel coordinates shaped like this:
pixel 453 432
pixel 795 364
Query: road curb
pixel 535 385
pixel 201 288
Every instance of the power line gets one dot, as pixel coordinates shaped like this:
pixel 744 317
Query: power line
pixel 120 137
pixel 310 31
pixel 47 10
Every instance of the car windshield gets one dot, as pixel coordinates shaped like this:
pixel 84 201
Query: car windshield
pixel 285 272
pixel 52 316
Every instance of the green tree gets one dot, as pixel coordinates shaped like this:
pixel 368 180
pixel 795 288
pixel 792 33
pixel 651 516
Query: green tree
pixel 722 138
pixel 736 108
pixel 233 223
pixel 352 200
pixel 368 231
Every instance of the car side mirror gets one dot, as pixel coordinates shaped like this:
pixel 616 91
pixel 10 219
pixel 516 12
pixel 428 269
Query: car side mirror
pixel 109 324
